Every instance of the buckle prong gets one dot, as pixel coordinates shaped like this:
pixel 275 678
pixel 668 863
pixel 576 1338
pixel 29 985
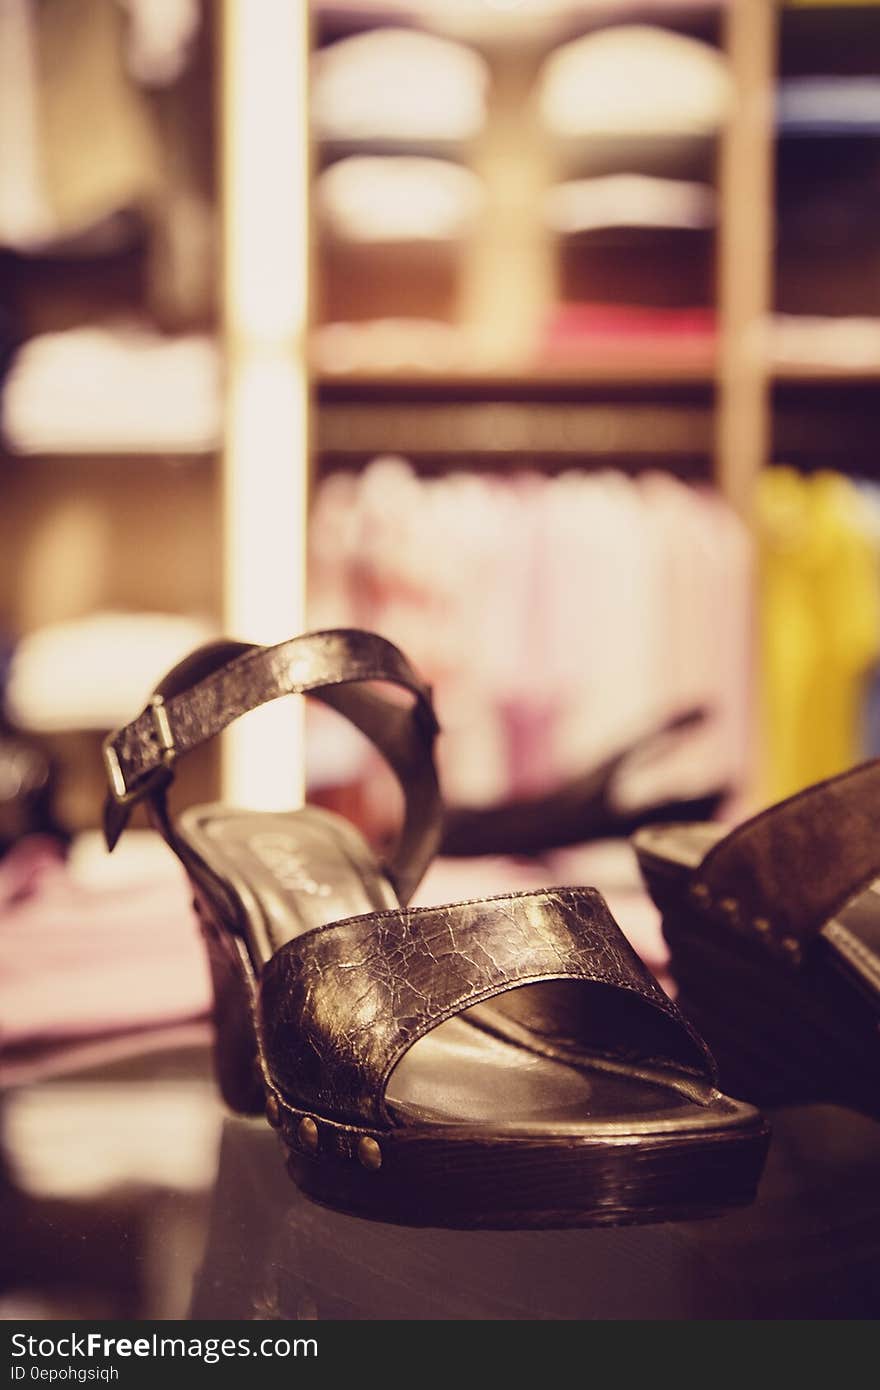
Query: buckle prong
pixel 162 727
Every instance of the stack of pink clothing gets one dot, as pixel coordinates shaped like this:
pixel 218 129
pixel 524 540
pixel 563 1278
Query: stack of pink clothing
pixel 91 971
pixel 620 332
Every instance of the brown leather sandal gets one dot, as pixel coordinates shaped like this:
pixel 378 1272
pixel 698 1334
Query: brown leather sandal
pixel 411 1074
pixel 585 808
pixel 774 933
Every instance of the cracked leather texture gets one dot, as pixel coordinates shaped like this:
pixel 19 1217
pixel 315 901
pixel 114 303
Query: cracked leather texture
pixel 340 1005
pixel 223 680
pixel 798 863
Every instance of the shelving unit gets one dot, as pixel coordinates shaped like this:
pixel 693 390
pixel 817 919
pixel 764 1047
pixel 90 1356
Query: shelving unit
pixel 755 410
pixel 745 249
pixel 95 524
pixel 546 420
pixel 695 406
pixel 164 528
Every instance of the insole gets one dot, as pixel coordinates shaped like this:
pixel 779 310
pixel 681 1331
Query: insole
pixel 854 933
pixel 298 870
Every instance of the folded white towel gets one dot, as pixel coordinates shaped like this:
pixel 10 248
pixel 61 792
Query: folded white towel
pixel 96 672
pixel 398 84
pixel 634 79
pixel 390 345
pixel 816 340
pixel 628 200
pixel 114 389
pixel 397 198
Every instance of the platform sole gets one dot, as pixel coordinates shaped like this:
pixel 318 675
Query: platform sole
pixel 454 1179
pixel 781 1035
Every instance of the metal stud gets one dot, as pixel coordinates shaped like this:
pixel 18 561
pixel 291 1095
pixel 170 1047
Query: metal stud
pixel 729 906
pixel 761 925
pixel 369 1153
pixel 273 1112
pixel 307 1135
pixel 792 947
pixel 700 893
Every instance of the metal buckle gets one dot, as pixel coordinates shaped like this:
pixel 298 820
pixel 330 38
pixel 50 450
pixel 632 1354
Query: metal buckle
pixel 123 794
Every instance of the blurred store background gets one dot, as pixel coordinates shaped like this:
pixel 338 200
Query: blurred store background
pixel 541 337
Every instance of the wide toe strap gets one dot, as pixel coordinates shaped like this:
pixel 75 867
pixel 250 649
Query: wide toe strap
pixel 341 1005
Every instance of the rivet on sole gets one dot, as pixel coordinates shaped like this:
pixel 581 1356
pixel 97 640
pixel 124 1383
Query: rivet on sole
pixel 307 1135
pixel 369 1153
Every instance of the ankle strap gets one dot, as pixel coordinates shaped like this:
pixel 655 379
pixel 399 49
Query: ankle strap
pixel 210 689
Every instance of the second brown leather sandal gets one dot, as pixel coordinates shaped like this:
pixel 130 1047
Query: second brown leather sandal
pixel 508 1062
pixel 587 807
pixel 774 934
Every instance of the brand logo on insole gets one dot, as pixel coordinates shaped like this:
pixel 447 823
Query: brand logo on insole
pixel 280 854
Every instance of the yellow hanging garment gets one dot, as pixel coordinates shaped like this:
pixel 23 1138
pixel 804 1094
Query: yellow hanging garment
pixel 819 626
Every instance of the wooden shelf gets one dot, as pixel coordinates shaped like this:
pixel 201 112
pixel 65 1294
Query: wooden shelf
pixel 631 369
pixel 119 458
pixel 477 23
pixel 633 414
pixel 517 431
pixel 824 372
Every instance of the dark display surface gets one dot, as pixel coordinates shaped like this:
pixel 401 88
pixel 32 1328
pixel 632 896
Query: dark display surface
pixel 231 1236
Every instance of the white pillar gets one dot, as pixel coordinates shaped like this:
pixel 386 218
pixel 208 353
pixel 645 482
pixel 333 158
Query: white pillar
pixel 265 172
